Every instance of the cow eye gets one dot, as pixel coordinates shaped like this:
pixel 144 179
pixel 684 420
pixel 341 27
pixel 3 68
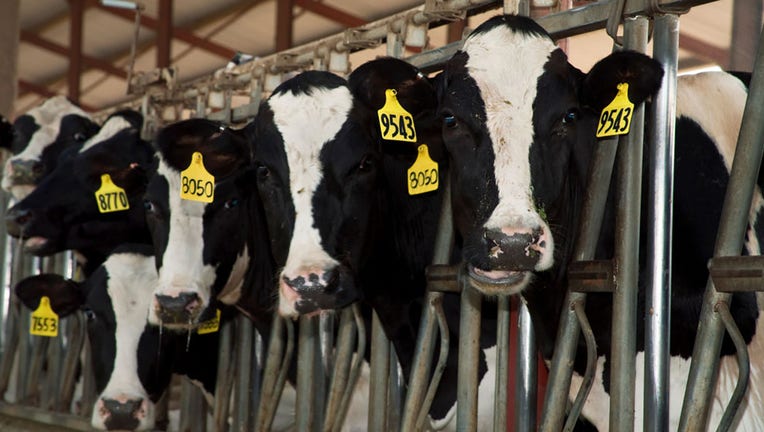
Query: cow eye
pixel 570 116
pixel 149 206
pixel 449 121
pixel 89 314
pixel 263 172
pixel 366 164
pixel 231 203
pixel 80 137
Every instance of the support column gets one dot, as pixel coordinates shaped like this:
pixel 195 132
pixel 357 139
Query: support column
pixel 746 26
pixel 9 46
pixel 76 12
pixel 164 34
pixel 284 20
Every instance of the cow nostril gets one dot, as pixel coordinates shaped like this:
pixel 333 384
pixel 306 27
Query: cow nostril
pixel 177 308
pixel 121 415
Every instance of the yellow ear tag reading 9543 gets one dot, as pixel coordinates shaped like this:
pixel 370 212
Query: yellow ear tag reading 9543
pixel 44 320
pixel 395 123
pixel 423 175
pixel 196 184
pixel 209 326
pixel 616 117
pixel 110 197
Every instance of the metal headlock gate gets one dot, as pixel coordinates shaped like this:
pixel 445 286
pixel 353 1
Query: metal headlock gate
pixel 251 376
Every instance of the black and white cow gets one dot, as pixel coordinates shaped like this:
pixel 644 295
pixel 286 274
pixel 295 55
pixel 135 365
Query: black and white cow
pixel 519 123
pixel 342 225
pixel 39 137
pixel 132 361
pixel 62 212
pixel 206 251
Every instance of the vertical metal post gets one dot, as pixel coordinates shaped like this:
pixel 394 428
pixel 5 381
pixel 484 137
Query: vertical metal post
pixel 310 377
pixel 503 321
pixel 5 287
pixel 659 222
pixel 629 192
pixel 224 379
pixel 244 336
pixel 729 241
pixel 380 372
pixel 193 411
pixel 527 372
pixel 469 347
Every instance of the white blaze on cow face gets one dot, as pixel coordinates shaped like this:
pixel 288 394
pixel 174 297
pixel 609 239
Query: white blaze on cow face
pixel 113 126
pixel 306 123
pixel 132 278
pixel 506 66
pixel 183 269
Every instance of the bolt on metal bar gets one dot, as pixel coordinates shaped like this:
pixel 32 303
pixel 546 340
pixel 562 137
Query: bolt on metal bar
pixel 659 222
pixel 628 199
pixel 527 371
pixel 276 369
pixel 469 347
pixel 729 241
pixel 556 398
pixel 591 366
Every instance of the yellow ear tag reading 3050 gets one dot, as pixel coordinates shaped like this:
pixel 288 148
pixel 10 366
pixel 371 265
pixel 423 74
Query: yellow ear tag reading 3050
pixel 196 184
pixel 44 320
pixel 110 197
pixel 616 117
pixel 423 175
pixel 210 326
pixel 395 123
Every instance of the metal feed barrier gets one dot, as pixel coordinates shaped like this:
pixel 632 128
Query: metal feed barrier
pixel 252 376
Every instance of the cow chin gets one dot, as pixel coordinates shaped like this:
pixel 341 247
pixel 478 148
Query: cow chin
pixel 498 282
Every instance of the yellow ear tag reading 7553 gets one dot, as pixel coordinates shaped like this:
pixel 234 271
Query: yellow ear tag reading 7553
pixel 209 326
pixel 395 123
pixel 44 320
pixel 616 117
pixel 423 175
pixel 110 197
pixel 196 184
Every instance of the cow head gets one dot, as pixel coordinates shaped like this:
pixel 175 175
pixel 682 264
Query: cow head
pixel 63 212
pixel 201 248
pixel 519 122
pixel 126 359
pixel 39 137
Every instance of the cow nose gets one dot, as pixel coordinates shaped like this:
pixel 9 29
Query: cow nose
pixel 16 220
pixel 515 249
pixel 25 171
pixel 315 281
pixel 180 309
pixel 125 415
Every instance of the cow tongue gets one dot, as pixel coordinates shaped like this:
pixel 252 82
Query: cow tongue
pixel 494 274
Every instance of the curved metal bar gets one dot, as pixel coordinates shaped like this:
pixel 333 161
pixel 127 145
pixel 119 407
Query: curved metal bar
pixel 591 366
pixel 355 370
pixel 436 303
pixel 743 363
pixel 417 389
pixel 275 371
pixel 76 342
pixel 379 376
pixel 224 381
pixel 341 371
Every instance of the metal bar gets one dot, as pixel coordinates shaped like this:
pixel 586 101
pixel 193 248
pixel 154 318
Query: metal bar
pixel 164 33
pixel 341 372
pixel 659 222
pixel 556 398
pixel 44 417
pixel 76 19
pixel 527 372
pixel 224 381
pixel 75 342
pixel 591 366
pixel 502 367
pixel 192 408
pixel 729 241
pixel 276 368
pixel 445 338
pixel 380 373
pixel 744 366
pixel 309 384
pixel 355 368
pixel 469 347
pixel 628 199
pixel 244 334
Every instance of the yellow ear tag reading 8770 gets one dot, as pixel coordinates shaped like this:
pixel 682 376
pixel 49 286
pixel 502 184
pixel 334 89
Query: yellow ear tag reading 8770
pixel 110 197
pixel 44 320
pixel 616 117
pixel 395 123
pixel 196 184
pixel 423 175
pixel 209 326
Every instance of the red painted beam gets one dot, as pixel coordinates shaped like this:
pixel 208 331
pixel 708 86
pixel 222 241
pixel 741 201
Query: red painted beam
pixel 26 87
pixel 87 60
pixel 284 21
pixel 76 14
pixel 164 34
pixel 326 11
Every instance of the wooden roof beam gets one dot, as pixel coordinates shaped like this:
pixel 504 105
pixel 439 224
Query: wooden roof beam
pixel 334 14
pixel 89 61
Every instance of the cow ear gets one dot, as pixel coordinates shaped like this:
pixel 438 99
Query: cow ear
pixel 642 73
pixel 65 295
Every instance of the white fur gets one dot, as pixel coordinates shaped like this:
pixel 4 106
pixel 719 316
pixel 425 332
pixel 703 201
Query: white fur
pixel 132 278
pixel 306 123
pixel 506 66
pixel 183 268
pixel 108 130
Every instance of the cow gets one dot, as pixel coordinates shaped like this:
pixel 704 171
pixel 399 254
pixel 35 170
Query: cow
pixel 342 226
pixel 39 137
pixel 132 361
pixel 519 123
pixel 63 213
pixel 207 250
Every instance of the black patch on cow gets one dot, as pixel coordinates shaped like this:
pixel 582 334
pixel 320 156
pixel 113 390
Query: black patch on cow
pixel 6 134
pixel 157 209
pixel 306 82
pixel 23 128
pixel 516 23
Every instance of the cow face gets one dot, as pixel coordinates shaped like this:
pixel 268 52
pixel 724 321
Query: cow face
pixel 62 212
pixel 201 248
pixel 519 122
pixel 128 376
pixel 316 172
pixel 39 137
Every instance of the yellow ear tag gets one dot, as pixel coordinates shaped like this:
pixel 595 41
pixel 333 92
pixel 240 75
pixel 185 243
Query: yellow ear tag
pixel 44 320
pixel 395 123
pixel 210 326
pixel 616 117
pixel 196 184
pixel 423 175
pixel 110 197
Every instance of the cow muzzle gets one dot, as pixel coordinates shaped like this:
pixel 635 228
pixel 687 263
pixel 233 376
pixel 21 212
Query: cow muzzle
pixel 123 414
pixel 182 309
pixel 17 222
pixel 21 176
pixel 311 290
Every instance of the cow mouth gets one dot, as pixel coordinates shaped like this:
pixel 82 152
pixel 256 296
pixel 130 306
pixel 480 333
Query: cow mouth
pixel 35 245
pixel 493 281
